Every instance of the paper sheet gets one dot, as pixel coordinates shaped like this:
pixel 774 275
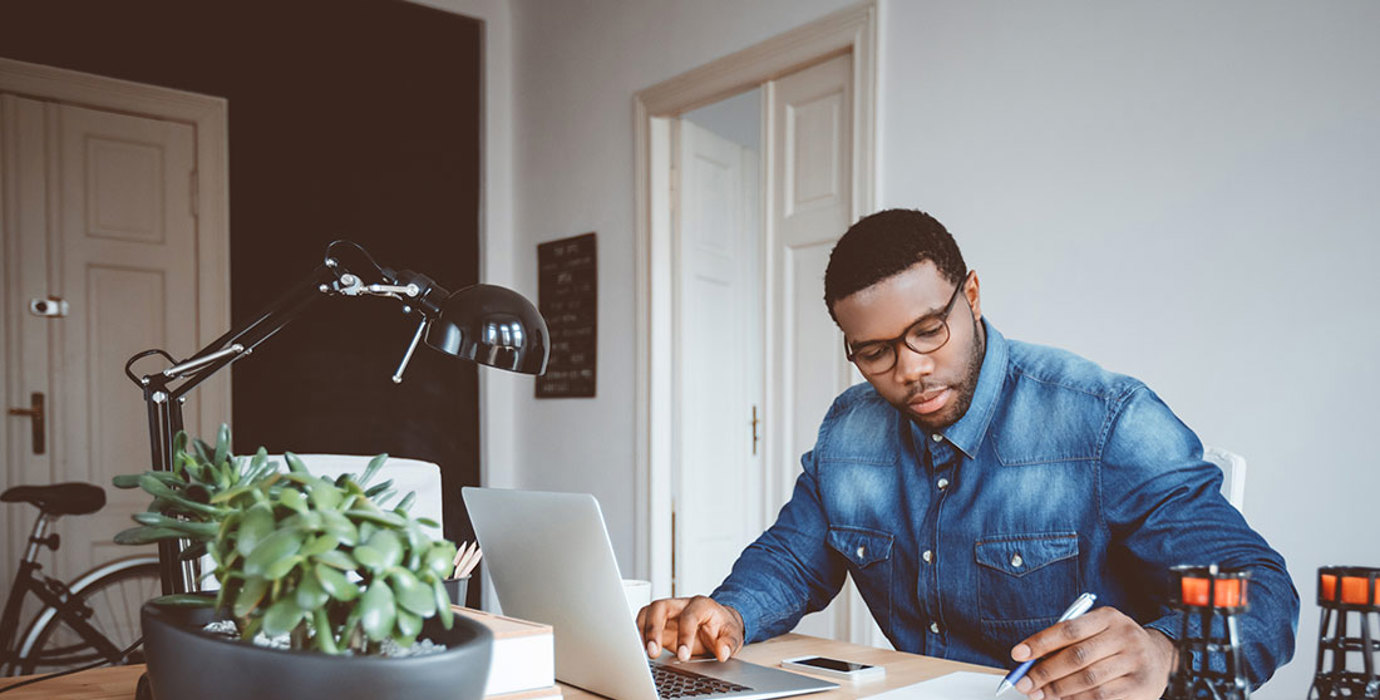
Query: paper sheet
pixel 960 685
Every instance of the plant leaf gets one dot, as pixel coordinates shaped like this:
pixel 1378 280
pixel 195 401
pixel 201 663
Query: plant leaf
pixel 255 526
pixel 324 494
pixel 378 610
pixel 409 626
pixel 335 584
pixel 337 559
pixel 282 616
pixel 443 611
pixel 428 522
pixel 184 600
pixel 406 502
pixel 293 499
pixel 146 534
pixel 126 481
pixel 222 444
pixel 310 593
pixel 377 517
pixel 320 544
pixel 372 469
pixel 249 596
pixel 325 636
pixel 411 593
pixel 340 527
pixel 295 464
pixel 369 557
pixel 278 546
pixel 278 569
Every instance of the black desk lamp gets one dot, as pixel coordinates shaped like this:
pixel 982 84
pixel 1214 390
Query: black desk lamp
pixel 483 323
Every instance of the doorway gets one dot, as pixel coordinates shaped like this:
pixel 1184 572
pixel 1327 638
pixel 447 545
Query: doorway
pixel 113 201
pixel 816 99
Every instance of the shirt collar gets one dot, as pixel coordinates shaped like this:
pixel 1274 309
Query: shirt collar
pixel 967 432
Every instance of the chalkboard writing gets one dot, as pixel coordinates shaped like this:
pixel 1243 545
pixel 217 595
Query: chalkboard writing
pixel 567 296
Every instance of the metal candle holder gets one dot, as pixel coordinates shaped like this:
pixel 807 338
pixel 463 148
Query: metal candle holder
pixel 1343 590
pixel 1209 655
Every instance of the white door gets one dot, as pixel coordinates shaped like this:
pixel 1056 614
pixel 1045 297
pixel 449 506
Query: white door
pixel 718 468
pixel 98 211
pixel 811 156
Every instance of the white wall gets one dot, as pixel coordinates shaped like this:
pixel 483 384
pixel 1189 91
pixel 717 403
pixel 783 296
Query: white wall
pixel 1185 192
pixel 578 65
pixel 1180 191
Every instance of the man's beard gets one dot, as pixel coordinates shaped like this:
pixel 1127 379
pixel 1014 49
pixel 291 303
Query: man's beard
pixel 963 390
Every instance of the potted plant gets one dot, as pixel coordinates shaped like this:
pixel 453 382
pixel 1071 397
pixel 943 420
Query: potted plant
pixel 322 568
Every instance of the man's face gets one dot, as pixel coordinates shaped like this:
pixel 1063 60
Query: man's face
pixel 933 389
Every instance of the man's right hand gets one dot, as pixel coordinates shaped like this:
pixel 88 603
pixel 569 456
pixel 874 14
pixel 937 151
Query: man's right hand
pixel 691 626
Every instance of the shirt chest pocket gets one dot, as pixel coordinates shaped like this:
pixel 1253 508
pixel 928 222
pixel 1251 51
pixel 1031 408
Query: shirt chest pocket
pixel 1026 577
pixel 868 553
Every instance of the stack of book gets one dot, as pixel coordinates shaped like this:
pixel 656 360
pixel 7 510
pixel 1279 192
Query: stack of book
pixel 524 659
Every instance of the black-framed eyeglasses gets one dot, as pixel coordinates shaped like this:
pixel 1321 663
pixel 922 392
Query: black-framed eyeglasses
pixel 924 336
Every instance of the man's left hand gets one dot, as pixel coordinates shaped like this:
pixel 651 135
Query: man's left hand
pixel 1103 655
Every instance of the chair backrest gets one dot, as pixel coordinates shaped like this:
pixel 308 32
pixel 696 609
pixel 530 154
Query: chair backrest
pixel 1233 468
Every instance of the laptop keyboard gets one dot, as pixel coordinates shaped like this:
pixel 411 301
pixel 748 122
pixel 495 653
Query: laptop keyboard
pixel 674 682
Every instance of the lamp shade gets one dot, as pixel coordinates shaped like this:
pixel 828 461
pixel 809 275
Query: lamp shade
pixel 493 326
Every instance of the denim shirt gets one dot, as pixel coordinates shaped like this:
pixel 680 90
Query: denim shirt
pixel 1060 478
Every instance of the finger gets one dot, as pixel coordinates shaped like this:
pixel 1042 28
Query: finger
pixel 1115 689
pixel 1093 677
pixel 1073 659
pixel 653 623
pixel 695 614
pixel 1060 635
pixel 728 641
pixel 709 636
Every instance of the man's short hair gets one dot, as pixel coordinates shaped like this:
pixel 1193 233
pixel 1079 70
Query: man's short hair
pixel 885 244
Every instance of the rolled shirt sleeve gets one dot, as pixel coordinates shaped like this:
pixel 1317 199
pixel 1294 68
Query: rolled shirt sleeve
pixel 1163 504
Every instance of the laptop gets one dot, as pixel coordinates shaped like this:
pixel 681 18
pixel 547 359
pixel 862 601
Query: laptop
pixel 551 561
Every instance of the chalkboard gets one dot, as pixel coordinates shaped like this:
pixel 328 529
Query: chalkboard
pixel 567 296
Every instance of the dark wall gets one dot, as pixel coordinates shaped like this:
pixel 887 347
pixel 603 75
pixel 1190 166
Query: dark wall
pixel 352 119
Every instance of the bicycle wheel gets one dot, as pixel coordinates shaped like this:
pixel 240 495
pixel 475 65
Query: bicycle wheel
pixel 114 593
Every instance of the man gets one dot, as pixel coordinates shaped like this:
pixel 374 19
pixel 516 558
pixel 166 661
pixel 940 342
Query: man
pixel 974 486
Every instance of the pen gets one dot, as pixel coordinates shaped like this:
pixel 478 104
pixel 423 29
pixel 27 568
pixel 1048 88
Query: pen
pixel 1083 604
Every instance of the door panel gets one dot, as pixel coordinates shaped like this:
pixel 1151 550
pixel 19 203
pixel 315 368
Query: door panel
pixel 811 142
pixel 718 479
pixel 99 213
pixel 128 266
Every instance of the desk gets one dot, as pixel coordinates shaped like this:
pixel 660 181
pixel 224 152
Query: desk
pixel 901 669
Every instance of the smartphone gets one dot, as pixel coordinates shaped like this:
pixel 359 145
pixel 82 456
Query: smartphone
pixel 835 668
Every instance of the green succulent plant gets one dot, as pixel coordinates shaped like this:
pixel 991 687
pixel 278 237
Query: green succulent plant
pixel 285 544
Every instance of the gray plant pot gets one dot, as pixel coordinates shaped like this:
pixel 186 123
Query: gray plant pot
pixel 185 662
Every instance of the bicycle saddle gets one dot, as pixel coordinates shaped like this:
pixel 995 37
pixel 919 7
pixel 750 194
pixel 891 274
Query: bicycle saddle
pixel 73 498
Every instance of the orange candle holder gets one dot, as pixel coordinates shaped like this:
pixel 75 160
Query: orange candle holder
pixel 1347 653
pixel 1208 599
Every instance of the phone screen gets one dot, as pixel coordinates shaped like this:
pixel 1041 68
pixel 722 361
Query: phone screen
pixel 832 664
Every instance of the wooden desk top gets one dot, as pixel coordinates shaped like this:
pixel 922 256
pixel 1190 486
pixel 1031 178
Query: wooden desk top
pixel 901 669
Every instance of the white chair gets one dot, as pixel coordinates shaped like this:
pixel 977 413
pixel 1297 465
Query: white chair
pixel 1233 468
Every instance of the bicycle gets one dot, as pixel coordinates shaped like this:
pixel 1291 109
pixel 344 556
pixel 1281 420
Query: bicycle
pixel 93 619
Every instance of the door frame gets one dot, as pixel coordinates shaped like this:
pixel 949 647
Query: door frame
pixel 851 30
pixel 207 116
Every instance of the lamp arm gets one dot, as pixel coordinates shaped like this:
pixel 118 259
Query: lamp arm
pixel 165 390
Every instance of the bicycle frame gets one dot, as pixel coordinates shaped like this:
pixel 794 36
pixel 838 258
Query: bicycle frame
pixel 51 592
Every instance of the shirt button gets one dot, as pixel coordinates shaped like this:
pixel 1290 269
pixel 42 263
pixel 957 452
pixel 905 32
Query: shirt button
pixel 942 484
pixel 936 437
pixel 934 627
pixel 928 556
pixel 861 551
pixel 1016 561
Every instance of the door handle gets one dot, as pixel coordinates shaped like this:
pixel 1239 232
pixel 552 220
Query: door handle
pixel 35 411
